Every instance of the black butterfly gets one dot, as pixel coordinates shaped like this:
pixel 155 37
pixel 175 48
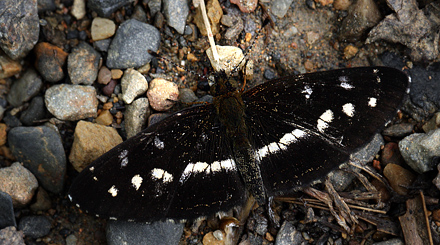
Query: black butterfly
pixel 270 140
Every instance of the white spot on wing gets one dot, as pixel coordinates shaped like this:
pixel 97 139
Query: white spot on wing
pixel 375 70
pixel 158 143
pixel 124 162
pixel 70 197
pixel 372 102
pixel 136 181
pixel 282 144
pixel 346 85
pixel 327 116
pixel 343 79
pixel 308 91
pixel 123 157
pixel 200 167
pixel 92 169
pixel 113 191
pixel 94 178
pixel 348 109
pixel 158 173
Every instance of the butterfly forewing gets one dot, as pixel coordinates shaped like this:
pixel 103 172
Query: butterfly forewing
pixel 305 126
pixel 180 168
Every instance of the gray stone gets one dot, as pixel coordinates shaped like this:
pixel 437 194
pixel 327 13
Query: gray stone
pixel 288 235
pixel 19 183
pixel 133 84
pixel 279 7
pixel 7 217
pixel 40 149
pixel 23 89
pixel 35 226
pixel 36 111
pixel 83 64
pixel 129 48
pixel 105 8
pixel 136 116
pixel 176 12
pixel 71 102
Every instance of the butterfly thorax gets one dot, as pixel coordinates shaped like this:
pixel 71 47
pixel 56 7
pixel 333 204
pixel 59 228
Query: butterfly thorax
pixel 231 114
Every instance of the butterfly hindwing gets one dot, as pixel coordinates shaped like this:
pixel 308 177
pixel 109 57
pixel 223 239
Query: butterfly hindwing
pixel 305 126
pixel 180 168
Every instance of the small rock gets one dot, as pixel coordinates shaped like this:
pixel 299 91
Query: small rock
pixel 71 102
pixel 136 116
pixel 102 28
pixel 176 12
pixel 154 6
pixel 419 150
pixel 246 6
pixel 122 232
pixel 104 75
pixel 350 51
pixel 116 73
pixel 20 27
pixel 11 121
pixel 362 15
pixel 236 27
pixel 50 61
pixel 19 183
pixel 3 133
pixel 9 67
pixel 391 154
pixel 34 226
pixel 229 58
pixel 162 94
pixel 82 64
pixel 129 47
pixel 342 4
pixel 324 2
pixel 291 31
pixel 46 5
pixel 133 84
pixel 78 9
pixel 433 123
pixel 279 7
pixel 7 217
pixel 10 235
pixel 312 37
pixel 399 130
pixel 23 89
pixel 109 88
pixel 43 201
pixel 394 241
pixel 289 235
pixel 40 149
pixel 107 7
pixel 399 178
pixel 36 111
pixel 105 118
pixel 214 13
pixel 209 238
pixel 87 147
pixel 139 14
pixel 186 95
pixel 102 45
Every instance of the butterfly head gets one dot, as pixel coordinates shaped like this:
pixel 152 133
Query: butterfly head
pixel 223 84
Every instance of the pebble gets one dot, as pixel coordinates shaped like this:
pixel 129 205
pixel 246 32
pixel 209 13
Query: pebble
pixel 399 130
pixel 312 37
pixel 35 226
pixel 50 61
pixel 20 27
pixel 213 239
pixel 104 75
pixel 186 95
pixel 78 9
pixel 394 241
pixel 269 74
pixel 361 17
pixel 104 118
pixel 9 67
pixel 154 6
pixel 133 84
pixel 433 123
pixel 289 235
pixel 41 150
pixel 391 154
pixel 109 88
pixel 71 240
pixel 102 45
pixel 71 102
pixel 102 28
pixel 324 2
pixel 42 202
pixel 35 112
pixel 19 183
pixel 418 150
pixel 129 48
pixel 162 94
pixel 176 12
pixel 436 180
pixel 136 116
pixel 3 133
pixel 11 236
pixel 342 4
pixel 291 31
pixel 23 89
pixel 87 147
pixel 139 14
pixel 236 26
pixel 246 6
pixel 83 64
pixel 214 12
pixel 117 73
pixel 229 58
pixel 7 217
pixel 107 7
pixel 279 7
pixel 46 5
pixel 122 232
pixel 350 51
pixel 11 121
pixel 398 177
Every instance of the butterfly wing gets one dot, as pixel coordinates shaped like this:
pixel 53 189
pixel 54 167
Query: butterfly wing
pixel 305 126
pixel 180 168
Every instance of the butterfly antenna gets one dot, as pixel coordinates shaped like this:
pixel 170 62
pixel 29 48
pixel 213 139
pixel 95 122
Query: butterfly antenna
pixel 156 55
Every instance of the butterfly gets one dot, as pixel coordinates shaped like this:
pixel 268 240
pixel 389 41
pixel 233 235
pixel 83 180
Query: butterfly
pixel 270 140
